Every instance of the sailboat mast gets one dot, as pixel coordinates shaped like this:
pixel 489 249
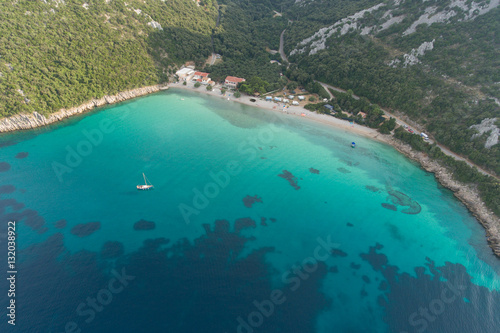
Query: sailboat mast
pixel 145 182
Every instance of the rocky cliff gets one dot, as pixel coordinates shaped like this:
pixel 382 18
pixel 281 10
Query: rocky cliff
pixel 27 121
pixel 468 195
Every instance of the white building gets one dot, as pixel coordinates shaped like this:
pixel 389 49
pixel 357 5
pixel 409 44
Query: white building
pixel 185 74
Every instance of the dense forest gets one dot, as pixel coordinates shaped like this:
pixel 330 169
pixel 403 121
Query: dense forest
pixel 444 75
pixel 59 54
pixel 398 55
pixel 448 87
pixel 248 31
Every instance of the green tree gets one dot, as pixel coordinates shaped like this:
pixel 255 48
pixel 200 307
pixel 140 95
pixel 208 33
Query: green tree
pixel 209 87
pixel 197 84
pixel 292 85
pixel 391 124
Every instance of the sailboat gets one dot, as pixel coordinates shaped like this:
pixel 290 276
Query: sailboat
pixel 146 186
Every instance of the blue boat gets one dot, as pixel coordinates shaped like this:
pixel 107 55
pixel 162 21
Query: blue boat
pixel 353 144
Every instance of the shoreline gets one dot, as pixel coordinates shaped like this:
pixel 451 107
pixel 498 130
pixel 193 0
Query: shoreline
pixel 292 111
pixel 30 121
pixel 464 193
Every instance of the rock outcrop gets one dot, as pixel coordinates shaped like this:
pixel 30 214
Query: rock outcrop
pixel 468 195
pixel 27 121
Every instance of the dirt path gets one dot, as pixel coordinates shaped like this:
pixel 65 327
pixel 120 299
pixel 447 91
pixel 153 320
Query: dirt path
pixel 326 86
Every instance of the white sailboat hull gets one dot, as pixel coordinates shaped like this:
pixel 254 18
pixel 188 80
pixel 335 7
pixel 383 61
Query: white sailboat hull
pixel 146 186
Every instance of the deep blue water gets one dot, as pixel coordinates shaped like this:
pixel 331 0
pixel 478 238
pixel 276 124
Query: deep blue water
pixel 258 222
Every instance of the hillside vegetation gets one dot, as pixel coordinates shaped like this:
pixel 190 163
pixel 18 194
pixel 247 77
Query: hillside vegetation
pixel 438 62
pixel 435 61
pixel 59 53
pixel 248 29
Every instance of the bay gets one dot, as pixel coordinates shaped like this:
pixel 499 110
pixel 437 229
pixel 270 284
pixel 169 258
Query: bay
pixel 261 222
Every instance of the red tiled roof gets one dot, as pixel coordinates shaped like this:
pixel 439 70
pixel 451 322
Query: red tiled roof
pixel 201 74
pixel 234 79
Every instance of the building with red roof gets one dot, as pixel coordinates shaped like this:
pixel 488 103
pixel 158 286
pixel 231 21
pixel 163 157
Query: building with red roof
pixel 232 81
pixel 200 75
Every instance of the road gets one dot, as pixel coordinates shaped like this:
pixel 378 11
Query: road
pixel 212 37
pixel 326 86
pixel 282 45
pixel 401 122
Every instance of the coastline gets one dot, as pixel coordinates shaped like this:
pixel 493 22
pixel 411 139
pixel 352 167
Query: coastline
pixel 292 111
pixel 34 120
pixel 466 194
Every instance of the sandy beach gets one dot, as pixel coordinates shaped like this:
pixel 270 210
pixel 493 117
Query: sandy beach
pixel 466 194
pixel 292 110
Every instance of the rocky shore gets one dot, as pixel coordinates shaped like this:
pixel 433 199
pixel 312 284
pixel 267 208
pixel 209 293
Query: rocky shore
pixel 28 121
pixel 468 195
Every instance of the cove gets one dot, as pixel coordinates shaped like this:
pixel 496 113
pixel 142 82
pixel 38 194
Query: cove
pixel 402 254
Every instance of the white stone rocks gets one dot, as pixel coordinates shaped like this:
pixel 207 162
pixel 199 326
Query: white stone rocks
pixel 412 57
pixel 27 121
pixel 155 25
pixel 317 41
pixel 485 126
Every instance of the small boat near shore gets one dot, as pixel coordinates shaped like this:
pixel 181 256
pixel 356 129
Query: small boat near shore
pixel 147 184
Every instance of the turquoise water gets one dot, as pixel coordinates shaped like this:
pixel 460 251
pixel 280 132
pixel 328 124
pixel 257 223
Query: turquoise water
pixel 182 141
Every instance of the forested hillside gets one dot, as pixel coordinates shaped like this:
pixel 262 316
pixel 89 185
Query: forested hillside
pixel 249 29
pixel 438 62
pixel 59 53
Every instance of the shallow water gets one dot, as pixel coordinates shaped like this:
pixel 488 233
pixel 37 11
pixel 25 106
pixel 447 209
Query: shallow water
pixel 334 236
